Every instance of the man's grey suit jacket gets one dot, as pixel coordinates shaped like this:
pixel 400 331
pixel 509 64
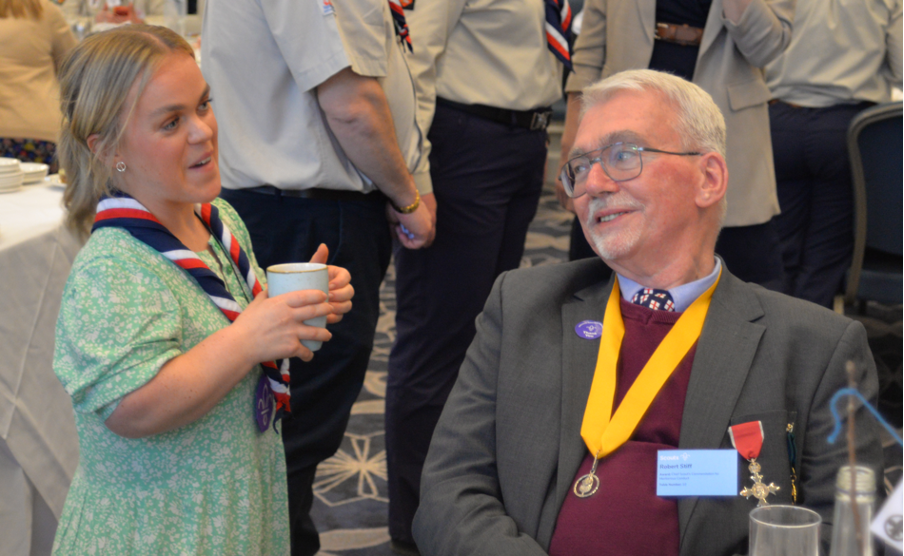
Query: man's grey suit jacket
pixel 508 445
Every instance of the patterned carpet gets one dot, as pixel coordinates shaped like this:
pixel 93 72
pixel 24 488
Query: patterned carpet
pixel 350 508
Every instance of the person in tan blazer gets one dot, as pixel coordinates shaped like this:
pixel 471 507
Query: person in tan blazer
pixel 34 39
pixel 738 38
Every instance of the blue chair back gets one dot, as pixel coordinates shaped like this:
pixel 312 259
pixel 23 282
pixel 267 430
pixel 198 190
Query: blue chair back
pixel 880 150
pixel 875 148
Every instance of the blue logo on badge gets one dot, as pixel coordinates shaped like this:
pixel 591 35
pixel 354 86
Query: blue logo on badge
pixel 589 329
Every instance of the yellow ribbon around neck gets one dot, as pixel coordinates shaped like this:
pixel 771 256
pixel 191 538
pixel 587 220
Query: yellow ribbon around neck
pixel 603 432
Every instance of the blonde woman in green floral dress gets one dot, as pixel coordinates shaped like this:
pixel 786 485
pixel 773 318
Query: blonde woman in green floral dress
pixel 164 383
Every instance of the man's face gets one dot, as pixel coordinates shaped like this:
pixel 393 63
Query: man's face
pixel 640 223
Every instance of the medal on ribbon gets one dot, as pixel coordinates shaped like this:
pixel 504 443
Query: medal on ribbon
pixel 603 430
pixel 588 484
pixel 747 439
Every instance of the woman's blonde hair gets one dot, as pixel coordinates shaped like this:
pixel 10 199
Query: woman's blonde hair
pixel 95 81
pixel 20 9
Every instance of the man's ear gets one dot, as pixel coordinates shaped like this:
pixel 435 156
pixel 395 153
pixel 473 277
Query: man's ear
pixel 715 180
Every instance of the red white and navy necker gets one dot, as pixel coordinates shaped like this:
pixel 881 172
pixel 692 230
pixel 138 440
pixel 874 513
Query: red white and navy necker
pixel 123 211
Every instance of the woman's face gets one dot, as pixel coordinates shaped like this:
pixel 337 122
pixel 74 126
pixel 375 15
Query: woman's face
pixel 169 145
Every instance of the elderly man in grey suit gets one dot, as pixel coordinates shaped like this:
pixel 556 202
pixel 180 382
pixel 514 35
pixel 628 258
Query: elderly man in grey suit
pixel 575 386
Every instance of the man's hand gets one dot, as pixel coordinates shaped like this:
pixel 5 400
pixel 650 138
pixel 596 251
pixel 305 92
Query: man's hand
pixel 417 229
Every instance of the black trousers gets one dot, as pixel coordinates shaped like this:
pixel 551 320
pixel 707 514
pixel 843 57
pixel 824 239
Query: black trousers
pixel 487 179
pixel 813 170
pixel 285 229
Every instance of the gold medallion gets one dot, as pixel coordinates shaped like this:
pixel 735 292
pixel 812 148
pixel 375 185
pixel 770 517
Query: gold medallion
pixel 588 484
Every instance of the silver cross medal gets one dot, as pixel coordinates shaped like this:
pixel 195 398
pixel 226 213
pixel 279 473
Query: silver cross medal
pixel 758 490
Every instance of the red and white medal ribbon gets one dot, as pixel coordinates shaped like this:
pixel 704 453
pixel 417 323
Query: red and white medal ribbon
pixel 747 439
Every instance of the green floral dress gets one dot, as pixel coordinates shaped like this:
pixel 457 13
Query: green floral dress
pixel 216 486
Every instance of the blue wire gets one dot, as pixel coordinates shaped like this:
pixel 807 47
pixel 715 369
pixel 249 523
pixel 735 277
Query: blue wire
pixel 853 392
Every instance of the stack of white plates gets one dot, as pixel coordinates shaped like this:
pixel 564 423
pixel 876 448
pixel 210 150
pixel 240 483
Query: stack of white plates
pixel 35 172
pixel 11 175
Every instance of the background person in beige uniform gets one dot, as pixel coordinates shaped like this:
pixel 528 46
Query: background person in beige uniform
pixel 310 152
pixel 845 56
pixel 730 42
pixel 485 78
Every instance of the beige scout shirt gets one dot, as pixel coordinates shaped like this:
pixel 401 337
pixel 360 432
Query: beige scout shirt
pixel 263 61
pixel 30 54
pixel 490 52
pixel 842 51
pixel 374 50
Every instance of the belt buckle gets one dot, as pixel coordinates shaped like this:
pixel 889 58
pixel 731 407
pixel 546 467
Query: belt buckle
pixel 539 121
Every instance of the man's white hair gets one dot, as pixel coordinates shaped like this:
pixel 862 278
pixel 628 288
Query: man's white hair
pixel 698 121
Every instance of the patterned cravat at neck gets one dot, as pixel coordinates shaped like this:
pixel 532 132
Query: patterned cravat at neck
pixel 658 300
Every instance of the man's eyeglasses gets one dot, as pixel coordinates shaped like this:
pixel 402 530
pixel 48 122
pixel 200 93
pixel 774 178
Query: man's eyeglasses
pixel 620 161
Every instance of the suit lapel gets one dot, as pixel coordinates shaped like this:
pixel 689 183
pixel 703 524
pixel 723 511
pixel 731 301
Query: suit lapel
pixel 723 358
pixel 578 364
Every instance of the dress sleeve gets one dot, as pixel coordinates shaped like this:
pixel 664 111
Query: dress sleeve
pixel 118 325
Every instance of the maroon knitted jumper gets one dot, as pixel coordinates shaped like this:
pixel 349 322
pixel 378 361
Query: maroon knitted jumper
pixel 625 517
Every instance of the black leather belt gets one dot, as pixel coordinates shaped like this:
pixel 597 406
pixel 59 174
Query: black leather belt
pixel 317 193
pixel 534 120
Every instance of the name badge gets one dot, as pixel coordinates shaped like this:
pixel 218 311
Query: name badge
pixel 697 473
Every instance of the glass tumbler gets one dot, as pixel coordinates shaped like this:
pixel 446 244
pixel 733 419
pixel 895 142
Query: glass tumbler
pixel 784 531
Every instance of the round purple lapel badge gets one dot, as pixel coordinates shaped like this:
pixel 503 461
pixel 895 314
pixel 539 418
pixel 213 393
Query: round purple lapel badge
pixel 589 329
pixel 263 404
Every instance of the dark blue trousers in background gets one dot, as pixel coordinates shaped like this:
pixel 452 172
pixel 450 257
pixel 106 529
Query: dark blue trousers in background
pixel 286 229
pixel 487 179
pixel 813 170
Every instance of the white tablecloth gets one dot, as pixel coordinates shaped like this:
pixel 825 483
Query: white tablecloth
pixel 38 440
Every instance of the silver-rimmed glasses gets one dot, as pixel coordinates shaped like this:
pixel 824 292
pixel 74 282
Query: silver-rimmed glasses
pixel 621 162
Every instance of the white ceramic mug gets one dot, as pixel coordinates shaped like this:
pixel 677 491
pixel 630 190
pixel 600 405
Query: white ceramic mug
pixel 291 277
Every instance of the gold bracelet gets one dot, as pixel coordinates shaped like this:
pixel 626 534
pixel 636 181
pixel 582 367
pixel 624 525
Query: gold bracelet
pixel 410 208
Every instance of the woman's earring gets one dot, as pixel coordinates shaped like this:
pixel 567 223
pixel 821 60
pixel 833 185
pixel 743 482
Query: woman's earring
pixel 120 166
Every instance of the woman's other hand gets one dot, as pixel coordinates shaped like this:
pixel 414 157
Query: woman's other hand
pixel 341 290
